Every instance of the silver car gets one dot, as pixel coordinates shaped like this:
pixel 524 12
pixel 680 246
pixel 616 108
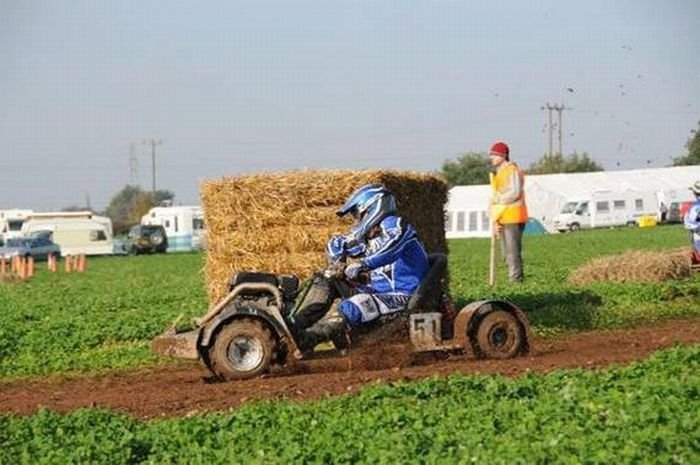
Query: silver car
pixel 38 247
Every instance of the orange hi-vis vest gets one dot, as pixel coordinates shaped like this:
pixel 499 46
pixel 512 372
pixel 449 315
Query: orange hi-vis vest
pixel 509 180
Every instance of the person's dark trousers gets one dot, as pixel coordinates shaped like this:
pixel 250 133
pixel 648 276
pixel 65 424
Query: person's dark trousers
pixel 511 247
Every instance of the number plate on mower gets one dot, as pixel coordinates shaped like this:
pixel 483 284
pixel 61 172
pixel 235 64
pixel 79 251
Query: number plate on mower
pixel 425 330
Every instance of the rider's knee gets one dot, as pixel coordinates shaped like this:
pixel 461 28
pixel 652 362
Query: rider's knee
pixel 351 312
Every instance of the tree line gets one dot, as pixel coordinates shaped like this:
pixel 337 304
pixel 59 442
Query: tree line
pixel 472 168
pixel 129 204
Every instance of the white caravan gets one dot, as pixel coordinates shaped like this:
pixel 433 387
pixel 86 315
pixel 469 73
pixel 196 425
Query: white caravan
pixel 75 232
pixel 11 222
pixel 183 225
pixel 606 208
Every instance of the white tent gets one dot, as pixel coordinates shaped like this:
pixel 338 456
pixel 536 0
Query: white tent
pixel 467 206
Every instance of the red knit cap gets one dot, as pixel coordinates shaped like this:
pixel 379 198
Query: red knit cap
pixel 500 148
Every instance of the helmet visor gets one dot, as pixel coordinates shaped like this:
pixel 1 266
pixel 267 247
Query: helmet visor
pixel 355 212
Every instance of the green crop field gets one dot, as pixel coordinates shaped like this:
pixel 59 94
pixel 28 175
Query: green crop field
pixel 646 412
pixel 104 319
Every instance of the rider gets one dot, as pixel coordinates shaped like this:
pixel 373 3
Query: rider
pixel 692 223
pixel 386 248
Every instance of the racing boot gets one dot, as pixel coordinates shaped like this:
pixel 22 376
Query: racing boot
pixel 338 332
pixel 332 328
pixel 306 340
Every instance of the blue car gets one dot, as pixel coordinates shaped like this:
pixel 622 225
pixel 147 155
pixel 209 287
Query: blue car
pixel 38 247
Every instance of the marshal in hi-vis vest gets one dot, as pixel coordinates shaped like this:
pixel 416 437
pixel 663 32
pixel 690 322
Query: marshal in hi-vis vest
pixel 509 182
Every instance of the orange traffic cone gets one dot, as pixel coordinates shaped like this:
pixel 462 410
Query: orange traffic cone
pixel 22 268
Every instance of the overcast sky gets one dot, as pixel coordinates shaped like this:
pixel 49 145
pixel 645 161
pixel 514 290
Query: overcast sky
pixel 239 87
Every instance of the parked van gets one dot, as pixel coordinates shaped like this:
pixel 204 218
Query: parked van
pixel 11 222
pixel 75 232
pixel 184 226
pixel 606 209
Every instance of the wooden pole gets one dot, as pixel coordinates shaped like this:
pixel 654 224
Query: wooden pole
pixel 492 255
pixel 68 263
pixel 492 258
pixel 30 266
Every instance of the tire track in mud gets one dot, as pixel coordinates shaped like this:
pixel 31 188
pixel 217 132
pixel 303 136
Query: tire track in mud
pixel 187 389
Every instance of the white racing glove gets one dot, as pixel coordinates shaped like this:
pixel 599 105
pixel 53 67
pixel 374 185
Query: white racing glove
pixel 353 270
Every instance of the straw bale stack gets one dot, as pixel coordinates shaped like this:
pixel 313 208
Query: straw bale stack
pixel 634 266
pixel 280 223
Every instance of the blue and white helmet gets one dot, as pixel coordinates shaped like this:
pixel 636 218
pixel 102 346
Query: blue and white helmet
pixel 369 205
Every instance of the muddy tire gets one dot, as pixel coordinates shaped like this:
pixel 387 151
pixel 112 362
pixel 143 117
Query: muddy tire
pixel 499 335
pixel 243 349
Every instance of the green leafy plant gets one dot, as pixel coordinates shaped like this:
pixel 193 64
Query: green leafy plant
pixel 642 413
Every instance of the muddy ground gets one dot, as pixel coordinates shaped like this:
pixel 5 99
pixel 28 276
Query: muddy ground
pixel 187 389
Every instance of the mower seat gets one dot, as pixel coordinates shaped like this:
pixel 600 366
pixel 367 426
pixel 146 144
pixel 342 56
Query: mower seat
pixel 252 277
pixel 427 295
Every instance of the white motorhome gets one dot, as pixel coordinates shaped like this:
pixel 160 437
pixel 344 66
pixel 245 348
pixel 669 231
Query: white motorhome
pixel 184 226
pixel 75 232
pixel 11 222
pixel 606 208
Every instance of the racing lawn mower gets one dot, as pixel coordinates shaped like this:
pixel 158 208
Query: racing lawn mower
pixel 249 330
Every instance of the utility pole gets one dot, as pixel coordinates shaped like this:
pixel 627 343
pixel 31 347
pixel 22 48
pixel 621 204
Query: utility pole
pixel 153 143
pixel 550 128
pixel 133 164
pixel 549 109
pixel 559 109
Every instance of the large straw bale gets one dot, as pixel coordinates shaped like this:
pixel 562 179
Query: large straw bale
pixel 634 266
pixel 280 222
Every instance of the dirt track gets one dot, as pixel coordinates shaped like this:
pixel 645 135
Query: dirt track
pixel 188 390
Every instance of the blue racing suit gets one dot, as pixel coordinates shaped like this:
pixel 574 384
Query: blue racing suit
pixel 692 223
pixel 397 261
